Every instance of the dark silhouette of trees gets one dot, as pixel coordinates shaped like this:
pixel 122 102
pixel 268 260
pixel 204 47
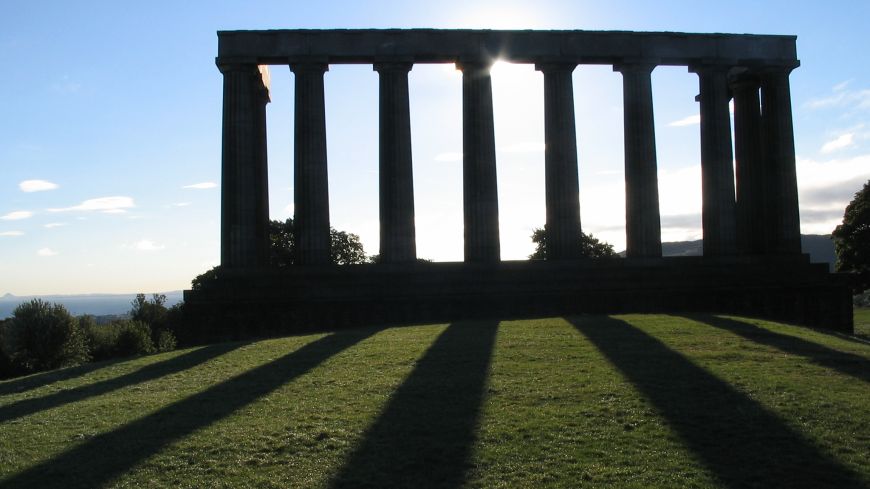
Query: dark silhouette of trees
pixel 590 246
pixel 345 248
pixel 852 239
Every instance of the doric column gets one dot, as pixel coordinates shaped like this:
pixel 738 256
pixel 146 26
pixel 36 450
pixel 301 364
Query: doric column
pixel 718 217
pixel 642 219
pixel 479 185
pixel 396 175
pixel 244 218
pixel 311 187
pixel 560 162
pixel 749 165
pixel 784 225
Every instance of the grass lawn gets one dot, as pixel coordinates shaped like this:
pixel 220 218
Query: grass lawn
pixel 635 401
pixel 862 322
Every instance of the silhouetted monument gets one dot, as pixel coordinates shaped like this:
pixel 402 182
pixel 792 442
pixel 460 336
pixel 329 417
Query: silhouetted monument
pixel 752 261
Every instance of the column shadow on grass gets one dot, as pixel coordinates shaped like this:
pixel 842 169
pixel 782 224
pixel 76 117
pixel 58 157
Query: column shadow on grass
pixel 101 459
pixel 424 436
pixel 35 381
pixel 737 439
pixel 153 371
pixel 849 364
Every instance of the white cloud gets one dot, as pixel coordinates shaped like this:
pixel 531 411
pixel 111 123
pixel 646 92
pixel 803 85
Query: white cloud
pixel 686 121
pixel 11 233
pixel 55 225
pixel 201 185
pixel 147 245
pixel 36 185
pixel 66 85
pixel 109 205
pixel 826 187
pixel 841 142
pixel 448 157
pixel 841 97
pixel 46 252
pixel 180 204
pixel 17 215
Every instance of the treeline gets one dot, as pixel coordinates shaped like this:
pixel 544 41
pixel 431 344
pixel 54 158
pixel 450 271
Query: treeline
pixel 45 336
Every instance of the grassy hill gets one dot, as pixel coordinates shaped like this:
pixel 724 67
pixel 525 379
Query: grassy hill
pixel 590 401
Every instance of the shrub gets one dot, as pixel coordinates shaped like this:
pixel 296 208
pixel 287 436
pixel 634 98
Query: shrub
pixel 166 341
pixel 102 338
pixel 134 338
pixel 43 336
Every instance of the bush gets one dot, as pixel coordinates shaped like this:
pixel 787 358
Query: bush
pixel 134 338
pixel 166 341
pixel 102 338
pixel 43 336
pixel 7 367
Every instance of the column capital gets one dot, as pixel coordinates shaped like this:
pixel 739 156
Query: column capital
pixel 474 66
pixel 309 67
pixel 235 66
pixel 632 66
pixel 710 68
pixel 555 66
pixel 393 66
pixel 746 80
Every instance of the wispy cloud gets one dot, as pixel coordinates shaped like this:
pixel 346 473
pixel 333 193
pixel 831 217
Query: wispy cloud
pixel 180 204
pixel 65 85
pixel 841 96
pixel 686 121
pixel 16 215
pixel 201 185
pixel 12 233
pixel 55 225
pixel 449 156
pixel 146 245
pixel 47 252
pixel 36 185
pixel 107 205
pixel 841 142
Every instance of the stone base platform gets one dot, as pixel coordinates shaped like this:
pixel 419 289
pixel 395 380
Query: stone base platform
pixel 257 302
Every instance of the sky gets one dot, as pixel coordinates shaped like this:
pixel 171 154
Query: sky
pixel 110 127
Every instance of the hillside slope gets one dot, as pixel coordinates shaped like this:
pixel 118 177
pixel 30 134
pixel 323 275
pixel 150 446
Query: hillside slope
pixel 626 401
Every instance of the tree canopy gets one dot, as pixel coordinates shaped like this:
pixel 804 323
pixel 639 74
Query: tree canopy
pixel 590 246
pixel 852 239
pixel 345 249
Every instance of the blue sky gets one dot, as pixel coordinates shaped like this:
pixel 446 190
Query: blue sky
pixel 110 128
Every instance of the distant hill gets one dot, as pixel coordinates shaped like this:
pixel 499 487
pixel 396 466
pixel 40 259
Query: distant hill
pixel 96 304
pixel 818 246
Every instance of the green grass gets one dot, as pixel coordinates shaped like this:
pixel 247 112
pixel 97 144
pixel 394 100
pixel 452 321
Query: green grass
pixel 862 322
pixel 590 401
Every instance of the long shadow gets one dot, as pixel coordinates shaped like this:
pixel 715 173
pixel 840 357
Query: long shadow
pixel 739 441
pixel 35 381
pixel 424 436
pixel 153 371
pixel 846 363
pixel 105 457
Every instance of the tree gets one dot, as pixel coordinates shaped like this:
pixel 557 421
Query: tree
pixel 852 239
pixel 589 246
pixel 44 336
pixel 345 248
pixel 153 312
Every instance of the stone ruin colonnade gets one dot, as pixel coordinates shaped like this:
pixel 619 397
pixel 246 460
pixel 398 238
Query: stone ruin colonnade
pixel 759 217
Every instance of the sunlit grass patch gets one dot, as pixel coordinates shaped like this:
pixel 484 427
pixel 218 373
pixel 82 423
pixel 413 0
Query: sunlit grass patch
pixel 588 401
